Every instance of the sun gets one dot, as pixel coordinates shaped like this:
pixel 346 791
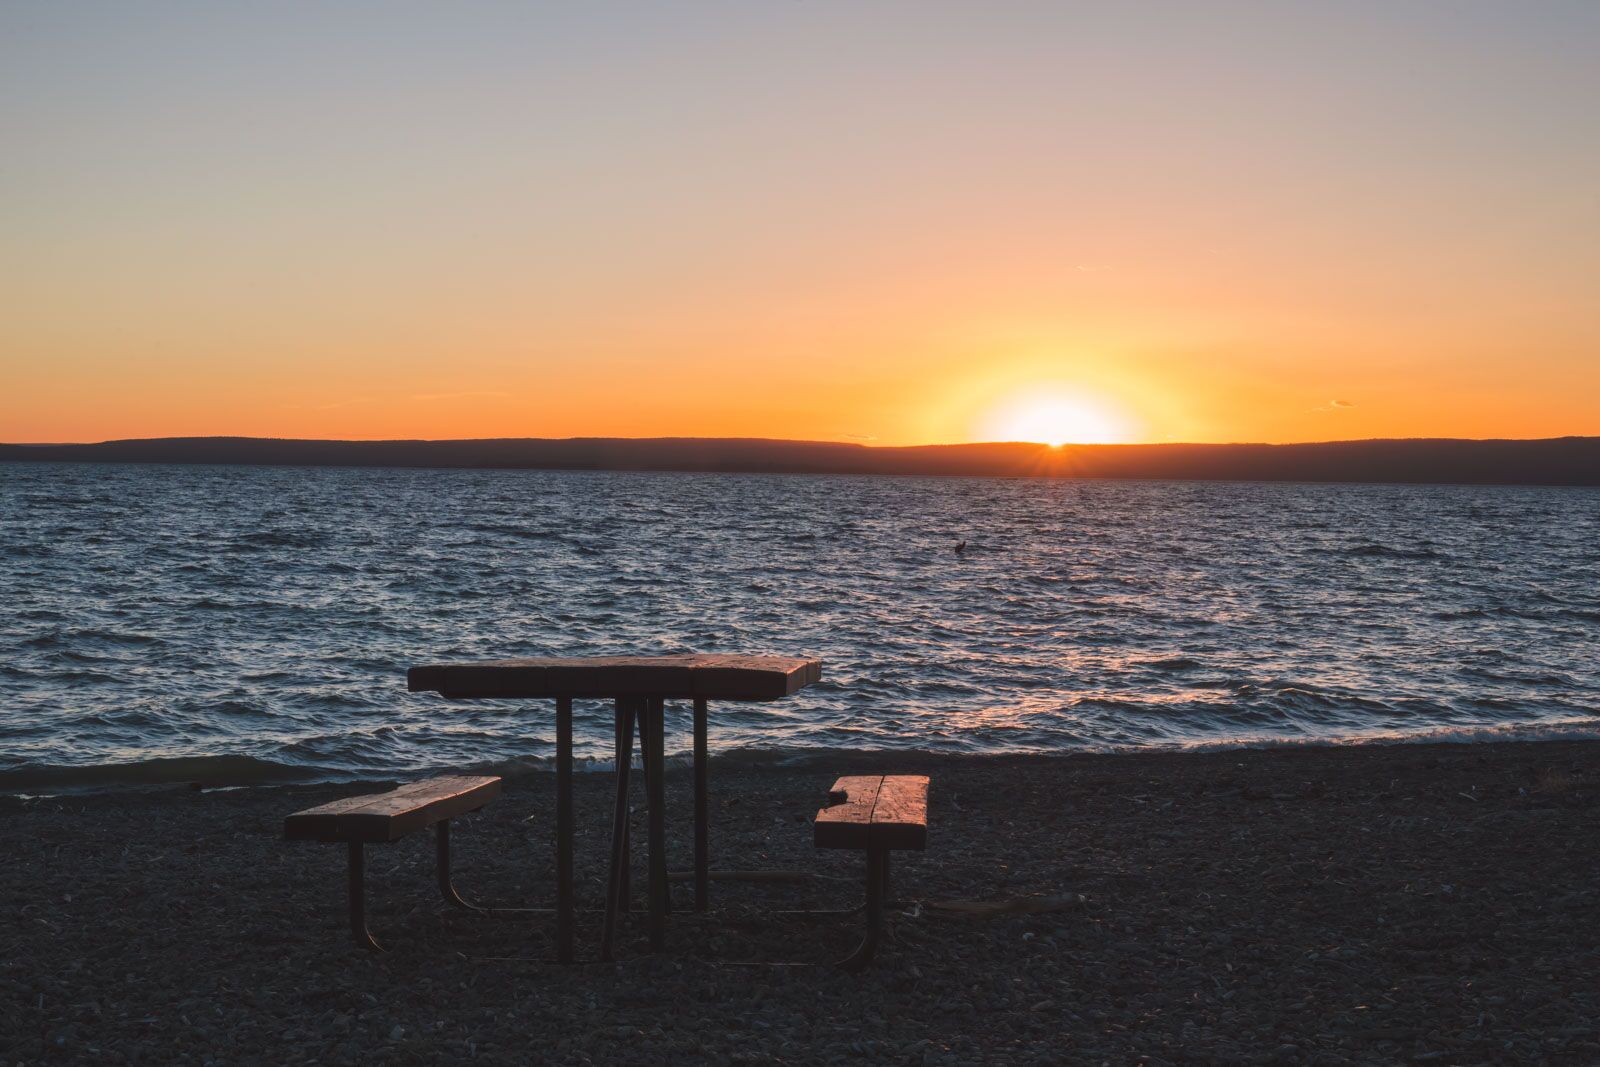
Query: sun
pixel 1056 417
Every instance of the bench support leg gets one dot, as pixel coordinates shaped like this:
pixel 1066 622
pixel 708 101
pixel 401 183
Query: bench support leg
pixel 447 889
pixel 877 886
pixel 358 898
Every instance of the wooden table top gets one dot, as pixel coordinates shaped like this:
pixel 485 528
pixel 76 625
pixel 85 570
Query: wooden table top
pixel 711 677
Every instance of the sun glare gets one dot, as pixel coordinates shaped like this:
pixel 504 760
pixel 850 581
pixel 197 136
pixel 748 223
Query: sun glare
pixel 1055 419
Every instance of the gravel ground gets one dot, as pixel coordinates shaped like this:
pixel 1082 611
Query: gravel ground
pixel 1362 905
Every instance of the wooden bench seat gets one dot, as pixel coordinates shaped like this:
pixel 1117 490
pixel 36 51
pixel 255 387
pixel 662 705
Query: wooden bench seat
pixel 379 818
pixel 890 811
pixel 877 814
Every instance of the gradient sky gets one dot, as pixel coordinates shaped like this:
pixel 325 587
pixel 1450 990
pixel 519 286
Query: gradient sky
pixel 890 222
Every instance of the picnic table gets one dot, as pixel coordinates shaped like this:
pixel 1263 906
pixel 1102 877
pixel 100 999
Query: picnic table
pixel 638 687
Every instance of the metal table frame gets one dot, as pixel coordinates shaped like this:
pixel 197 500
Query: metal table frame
pixel 637 712
pixel 649 714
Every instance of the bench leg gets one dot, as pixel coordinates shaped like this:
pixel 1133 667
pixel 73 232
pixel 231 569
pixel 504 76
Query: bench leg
pixel 358 898
pixel 442 867
pixel 877 886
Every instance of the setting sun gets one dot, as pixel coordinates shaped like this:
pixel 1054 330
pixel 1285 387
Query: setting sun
pixel 1056 417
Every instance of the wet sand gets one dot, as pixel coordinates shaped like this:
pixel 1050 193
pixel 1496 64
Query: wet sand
pixel 1361 905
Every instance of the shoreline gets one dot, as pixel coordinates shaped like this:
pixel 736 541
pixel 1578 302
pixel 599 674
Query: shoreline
pixel 240 771
pixel 1310 905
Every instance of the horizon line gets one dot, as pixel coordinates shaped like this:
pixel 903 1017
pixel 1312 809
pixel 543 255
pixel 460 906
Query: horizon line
pixel 791 441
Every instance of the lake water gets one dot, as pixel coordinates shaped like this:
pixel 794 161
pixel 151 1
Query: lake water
pixel 253 623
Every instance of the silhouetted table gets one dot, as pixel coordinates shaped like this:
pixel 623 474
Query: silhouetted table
pixel 639 687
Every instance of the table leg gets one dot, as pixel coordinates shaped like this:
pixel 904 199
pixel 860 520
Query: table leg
pixel 624 754
pixel 655 758
pixel 619 828
pixel 644 747
pixel 702 842
pixel 654 762
pixel 564 949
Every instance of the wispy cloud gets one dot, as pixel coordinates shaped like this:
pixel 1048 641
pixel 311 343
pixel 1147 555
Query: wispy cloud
pixel 349 401
pixel 459 396
pixel 1335 405
pixel 425 398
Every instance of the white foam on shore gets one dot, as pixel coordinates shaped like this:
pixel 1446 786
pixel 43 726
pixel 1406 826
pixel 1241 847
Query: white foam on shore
pixel 1586 728
pixel 234 772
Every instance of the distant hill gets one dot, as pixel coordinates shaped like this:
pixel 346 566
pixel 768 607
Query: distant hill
pixel 1555 461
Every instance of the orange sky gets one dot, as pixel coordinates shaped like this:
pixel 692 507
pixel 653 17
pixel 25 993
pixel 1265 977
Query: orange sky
pixel 896 224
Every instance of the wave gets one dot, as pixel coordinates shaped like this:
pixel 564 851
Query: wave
pixel 262 539
pixel 1373 549
pixel 1575 729
pixel 235 771
pixel 521 533
pixel 57 638
pixel 26 550
pixel 1493 611
pixel 1584 728
pixel 1173 663
pixel 193 770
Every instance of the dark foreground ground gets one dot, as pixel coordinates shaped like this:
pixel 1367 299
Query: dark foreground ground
pixel 1373 905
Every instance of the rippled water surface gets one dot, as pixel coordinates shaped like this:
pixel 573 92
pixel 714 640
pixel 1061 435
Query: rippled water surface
pixel 261 619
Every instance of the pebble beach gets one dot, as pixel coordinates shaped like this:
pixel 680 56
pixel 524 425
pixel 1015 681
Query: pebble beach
pixel 1316 906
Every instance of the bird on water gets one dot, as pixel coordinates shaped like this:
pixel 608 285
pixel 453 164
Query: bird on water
pixel 961 547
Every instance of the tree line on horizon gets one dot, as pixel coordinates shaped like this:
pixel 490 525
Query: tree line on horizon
pixel 1551 461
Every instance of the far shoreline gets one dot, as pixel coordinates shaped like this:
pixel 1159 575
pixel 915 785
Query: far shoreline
pixel 653 471
pixel 1561 461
